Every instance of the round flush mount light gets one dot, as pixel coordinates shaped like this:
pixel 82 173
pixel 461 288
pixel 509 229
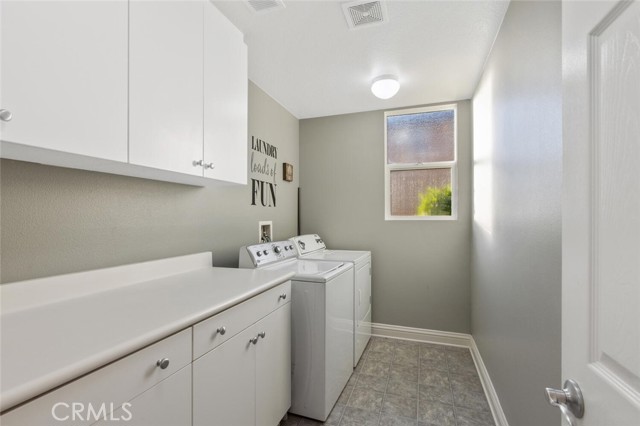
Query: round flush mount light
pixel 385 86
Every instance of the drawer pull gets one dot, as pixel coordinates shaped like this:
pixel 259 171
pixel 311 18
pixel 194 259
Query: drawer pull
pixel 262 334
pixel 253 340
pixel 283 296
pixel 163 363
pixel 222 330
pixel 5 115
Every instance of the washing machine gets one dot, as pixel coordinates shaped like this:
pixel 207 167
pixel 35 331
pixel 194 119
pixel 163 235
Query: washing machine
pixel 312 247
pixel 321 324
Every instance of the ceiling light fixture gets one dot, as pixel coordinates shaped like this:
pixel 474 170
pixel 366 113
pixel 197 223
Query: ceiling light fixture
pixel 385 86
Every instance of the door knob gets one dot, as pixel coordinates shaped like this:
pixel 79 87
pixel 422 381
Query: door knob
pixel 569 400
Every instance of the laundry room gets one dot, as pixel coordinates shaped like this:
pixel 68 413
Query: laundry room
pixel 209 215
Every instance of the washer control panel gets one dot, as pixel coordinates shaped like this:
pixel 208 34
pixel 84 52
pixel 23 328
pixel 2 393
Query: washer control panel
pixel 268 253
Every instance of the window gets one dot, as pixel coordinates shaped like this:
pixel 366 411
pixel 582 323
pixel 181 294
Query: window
pixel 420 164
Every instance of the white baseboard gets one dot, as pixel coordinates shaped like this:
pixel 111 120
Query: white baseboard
pixel 421 335
pixel 451 339
pixel 489 390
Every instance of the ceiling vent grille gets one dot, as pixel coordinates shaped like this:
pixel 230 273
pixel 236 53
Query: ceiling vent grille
pixel 261 6
pixel 364 13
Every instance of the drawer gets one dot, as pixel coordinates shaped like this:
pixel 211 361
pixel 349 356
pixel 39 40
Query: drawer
pixel 110 386
pixel 216 330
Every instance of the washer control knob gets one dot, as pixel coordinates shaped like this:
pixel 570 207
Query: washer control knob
pixel 259 253
pixel 265 252
pixel 277 249
pixel 291 247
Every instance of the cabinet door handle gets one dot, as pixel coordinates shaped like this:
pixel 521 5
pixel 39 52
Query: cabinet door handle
pixel 5 115
pixel 253 340
pixel 163 363
pixel 283 296
pixel 221 330
pixel 209 166
pixel 262 334
pixel 198 163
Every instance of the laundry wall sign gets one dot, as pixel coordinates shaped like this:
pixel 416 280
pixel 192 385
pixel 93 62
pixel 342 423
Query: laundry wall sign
pixel 263 162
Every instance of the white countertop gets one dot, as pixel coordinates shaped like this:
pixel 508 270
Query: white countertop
pixel 47 344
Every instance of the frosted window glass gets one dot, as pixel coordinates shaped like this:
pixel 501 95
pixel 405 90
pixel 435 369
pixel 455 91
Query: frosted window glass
pixel 425 192
pixel 420 138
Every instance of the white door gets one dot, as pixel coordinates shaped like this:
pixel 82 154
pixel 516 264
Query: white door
pixel 64 76
pixel 273 367
pixel 165 85
pixel 601 208
pixel 225 99
pixel 166 404
pixel 224 383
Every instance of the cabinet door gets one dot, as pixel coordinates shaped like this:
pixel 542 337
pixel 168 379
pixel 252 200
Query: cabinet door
pixel 273 367
pixel 165 86
pixel 224 383
pixel 64 76
pixel 166 404
pixel 225 98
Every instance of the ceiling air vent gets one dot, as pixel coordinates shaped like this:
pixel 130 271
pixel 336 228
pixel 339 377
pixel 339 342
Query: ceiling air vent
pixel 262 6
pixel 364 13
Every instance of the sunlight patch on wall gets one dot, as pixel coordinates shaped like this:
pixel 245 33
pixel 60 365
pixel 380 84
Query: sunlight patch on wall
pixel 483 137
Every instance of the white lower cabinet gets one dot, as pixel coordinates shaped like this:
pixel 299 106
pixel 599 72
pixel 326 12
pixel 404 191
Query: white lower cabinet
pixel 166 404
pixel 241 376
pixel 273 368
pixel 223 383
pixel 246 380
pixel 97 396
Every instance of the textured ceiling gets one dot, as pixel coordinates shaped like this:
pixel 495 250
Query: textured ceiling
pixel 306 57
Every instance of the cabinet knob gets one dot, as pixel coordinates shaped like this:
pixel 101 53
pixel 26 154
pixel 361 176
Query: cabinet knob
pixel 209 166
pixel 222 330
pixel 163 363
pixel 253 340
pixel 5 115
pixel 283 296
pixel 262 334
pixel 198 163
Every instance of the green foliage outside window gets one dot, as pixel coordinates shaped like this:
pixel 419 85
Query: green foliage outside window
pixel 436 201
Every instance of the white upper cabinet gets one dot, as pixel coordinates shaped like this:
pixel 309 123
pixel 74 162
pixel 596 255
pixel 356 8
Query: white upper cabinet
pixel 225 98
pixel 148 88
pixel 166 85
pixel 64 76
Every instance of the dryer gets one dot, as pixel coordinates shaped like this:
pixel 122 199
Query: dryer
pixel 312 247
pixel 321 324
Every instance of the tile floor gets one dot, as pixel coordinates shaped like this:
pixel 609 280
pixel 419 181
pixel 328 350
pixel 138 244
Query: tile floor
pixel 402 383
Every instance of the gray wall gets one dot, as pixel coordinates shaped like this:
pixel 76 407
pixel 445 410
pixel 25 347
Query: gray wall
pixel 56 220
pixel 420 268
pixel 516 264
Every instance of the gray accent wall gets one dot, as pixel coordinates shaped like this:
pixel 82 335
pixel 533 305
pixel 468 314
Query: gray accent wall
pixel 420 268
pixel 56 220
pixel 516 258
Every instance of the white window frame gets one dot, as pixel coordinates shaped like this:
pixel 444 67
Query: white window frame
pixel 453 165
